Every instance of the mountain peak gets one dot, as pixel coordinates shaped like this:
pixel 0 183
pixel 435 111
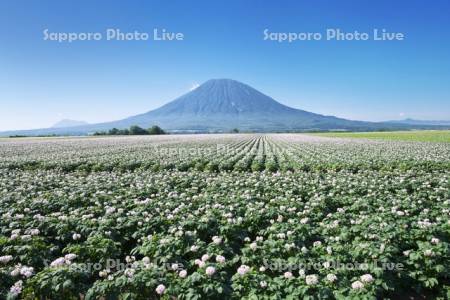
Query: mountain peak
pixel 224 84
pixel 218 97
pixel 222 81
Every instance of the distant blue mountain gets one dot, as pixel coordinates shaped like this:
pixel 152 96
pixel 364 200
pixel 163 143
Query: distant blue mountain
pixel 69 123
pixel 219 105
pixel 421 122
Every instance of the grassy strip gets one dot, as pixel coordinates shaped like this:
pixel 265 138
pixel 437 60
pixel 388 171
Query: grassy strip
pixel 442 136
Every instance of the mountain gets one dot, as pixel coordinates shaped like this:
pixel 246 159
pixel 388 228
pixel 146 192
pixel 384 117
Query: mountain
pixel 69 123
pixel 219 105
pixel 420 122
pixel 224 104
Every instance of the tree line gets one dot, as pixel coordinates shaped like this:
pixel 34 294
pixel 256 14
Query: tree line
pixel 133 130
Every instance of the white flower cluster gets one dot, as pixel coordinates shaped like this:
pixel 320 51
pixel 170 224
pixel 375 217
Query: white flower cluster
pixel 63 261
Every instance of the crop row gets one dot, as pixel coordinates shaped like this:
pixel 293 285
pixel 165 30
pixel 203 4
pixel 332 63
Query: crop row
pixel 222 153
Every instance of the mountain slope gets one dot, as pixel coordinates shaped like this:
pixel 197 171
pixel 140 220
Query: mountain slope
pixel 220 105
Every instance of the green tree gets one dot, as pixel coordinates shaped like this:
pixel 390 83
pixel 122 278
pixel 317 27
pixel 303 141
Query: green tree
pixel 113 131
pixel 155 130
pixel 136 130
pixel 124 132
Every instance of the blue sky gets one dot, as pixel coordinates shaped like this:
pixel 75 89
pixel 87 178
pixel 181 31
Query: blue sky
pixel 42 82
